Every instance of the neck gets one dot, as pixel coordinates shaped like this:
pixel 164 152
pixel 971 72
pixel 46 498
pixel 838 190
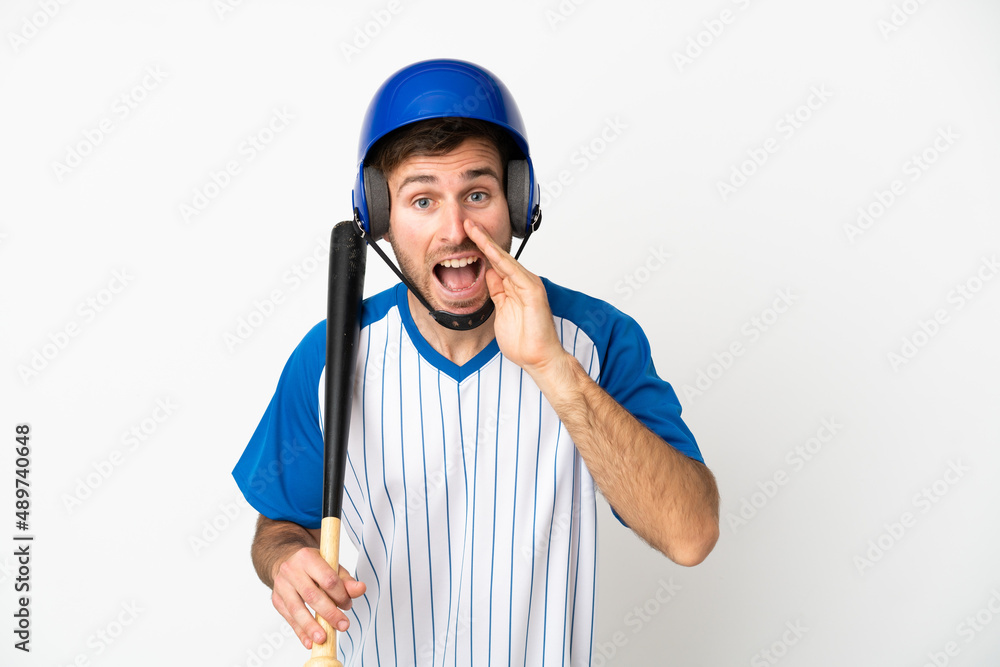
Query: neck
pixel 456 346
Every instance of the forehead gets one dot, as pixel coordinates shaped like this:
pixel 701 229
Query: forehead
pixel 469 158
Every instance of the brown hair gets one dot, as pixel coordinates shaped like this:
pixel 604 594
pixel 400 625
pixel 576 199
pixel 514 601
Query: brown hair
pixel 436 136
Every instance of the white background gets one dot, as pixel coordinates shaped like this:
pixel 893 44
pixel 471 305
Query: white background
pixel 156 552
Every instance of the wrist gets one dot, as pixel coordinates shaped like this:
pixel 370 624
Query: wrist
pixel 558 377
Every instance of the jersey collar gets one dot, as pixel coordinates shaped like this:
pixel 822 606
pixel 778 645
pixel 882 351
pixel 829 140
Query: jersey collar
pixel 432 356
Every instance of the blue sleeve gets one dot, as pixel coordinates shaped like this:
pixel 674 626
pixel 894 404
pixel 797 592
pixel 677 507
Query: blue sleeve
pixel 281 470
pixel 628 375
pixel 627 372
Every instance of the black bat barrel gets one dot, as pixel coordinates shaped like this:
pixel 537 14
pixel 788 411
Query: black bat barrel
pixel 343 321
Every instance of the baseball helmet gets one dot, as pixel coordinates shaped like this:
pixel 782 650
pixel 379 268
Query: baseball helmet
pixel 443 89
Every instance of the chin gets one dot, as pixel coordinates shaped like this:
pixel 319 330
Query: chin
pixel 465 307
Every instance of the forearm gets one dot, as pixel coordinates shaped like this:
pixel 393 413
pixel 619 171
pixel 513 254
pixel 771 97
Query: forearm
pixel 274 542
pixel 668 499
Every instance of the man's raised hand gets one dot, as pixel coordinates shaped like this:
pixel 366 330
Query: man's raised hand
pixel 523 323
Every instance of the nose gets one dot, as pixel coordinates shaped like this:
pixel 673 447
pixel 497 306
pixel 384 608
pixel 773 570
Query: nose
pixel 452 228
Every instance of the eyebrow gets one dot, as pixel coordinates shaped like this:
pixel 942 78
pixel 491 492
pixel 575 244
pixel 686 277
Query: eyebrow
pixel 468 175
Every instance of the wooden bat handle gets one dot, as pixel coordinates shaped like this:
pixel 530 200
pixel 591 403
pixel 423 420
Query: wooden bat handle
pixel 345 293
pixel 325 654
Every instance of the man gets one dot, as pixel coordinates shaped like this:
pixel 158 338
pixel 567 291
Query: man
pixel 489 403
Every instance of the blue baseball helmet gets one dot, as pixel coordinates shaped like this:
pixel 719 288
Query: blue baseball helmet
pixel 443 89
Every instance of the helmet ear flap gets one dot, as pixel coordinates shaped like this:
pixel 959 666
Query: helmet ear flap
pixel 377 199
pixel 518 195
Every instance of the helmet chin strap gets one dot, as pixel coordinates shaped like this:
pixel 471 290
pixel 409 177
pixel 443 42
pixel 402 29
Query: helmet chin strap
pixel 447 320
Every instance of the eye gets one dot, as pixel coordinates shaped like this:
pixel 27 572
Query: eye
pixel 422 203
pixel 478 197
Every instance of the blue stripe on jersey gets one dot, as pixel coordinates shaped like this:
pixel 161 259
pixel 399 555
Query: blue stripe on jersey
pixel 534 532
pixel 457 599
pixel 555 488
pixel 465 480
pixel 392 537
pixel 576 573
pixel 575 522
pixel 363 545
pixel 341 648
pixel 427 519
pixel 447 511
pixel 472 558
pixel 406 512
pixel 493 554
pixel 569 557
pixel 513 519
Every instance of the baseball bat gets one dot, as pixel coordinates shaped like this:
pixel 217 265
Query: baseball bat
pixel 343 320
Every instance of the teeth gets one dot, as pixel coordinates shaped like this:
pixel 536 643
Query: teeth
pixel 459 263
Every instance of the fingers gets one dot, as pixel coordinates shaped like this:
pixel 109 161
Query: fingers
pixel 307 579
pixel 305 635
pixel 354 587
pixel 505 277
pixel 502 262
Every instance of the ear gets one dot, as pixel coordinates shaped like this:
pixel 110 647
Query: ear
pixel 377 198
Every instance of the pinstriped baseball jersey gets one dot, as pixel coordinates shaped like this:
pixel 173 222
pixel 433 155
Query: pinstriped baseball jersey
pixel 473 514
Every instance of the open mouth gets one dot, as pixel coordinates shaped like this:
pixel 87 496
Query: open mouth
pixel 459 276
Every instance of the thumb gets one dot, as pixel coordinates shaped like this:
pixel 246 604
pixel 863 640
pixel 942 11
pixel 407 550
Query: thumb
pixel 353 586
